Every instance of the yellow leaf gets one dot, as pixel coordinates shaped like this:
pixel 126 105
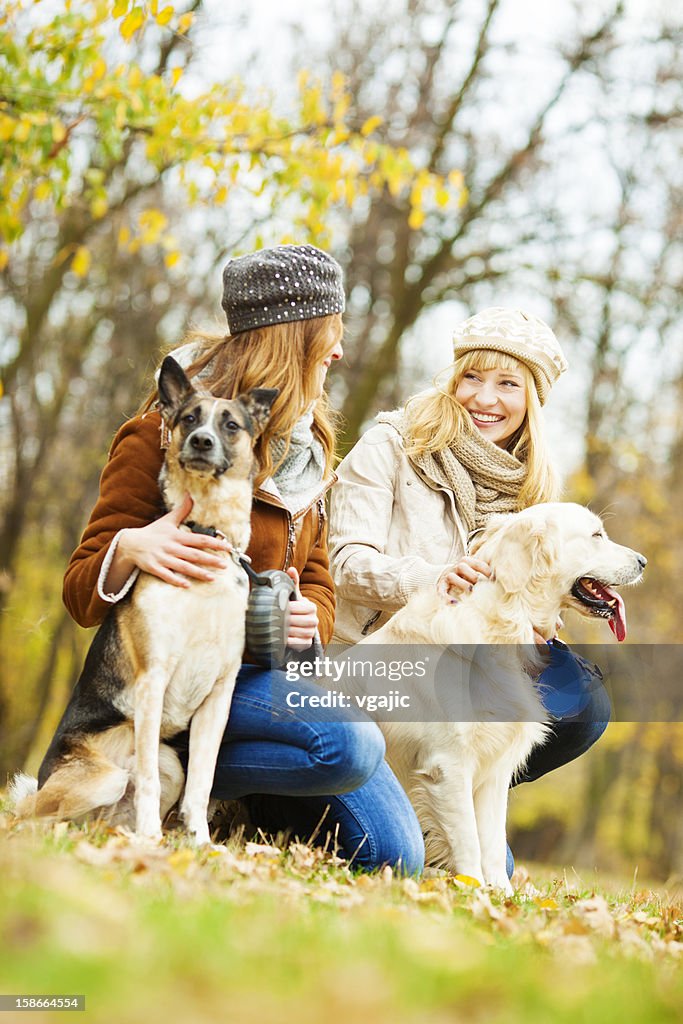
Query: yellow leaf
pixel 99 207
pixel 22 130
pixel 7 125
pixel 341 107
pixel 370 125
pixel 442 196
pixel 135 77
pixel 81 261
pixel 185 22
pixel 42 191
pixel 124 235
pixel 180 860
pixel 171 258
pixel 131 23
pixel 547 904
pixel 58 131
pixel 120 8
pixel 338 81
pixel 176 74
pixel 4 258
pixel 152 222
pixel 416 219
pixel 473 883
pixel 99 68
pixel 164 16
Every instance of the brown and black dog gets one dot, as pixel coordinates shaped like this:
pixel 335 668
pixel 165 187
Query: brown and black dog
pixel 165 657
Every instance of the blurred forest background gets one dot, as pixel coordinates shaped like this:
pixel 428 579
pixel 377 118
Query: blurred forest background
pixel 453 154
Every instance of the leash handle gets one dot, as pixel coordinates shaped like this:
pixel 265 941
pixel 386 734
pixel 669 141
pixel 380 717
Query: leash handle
pixel 258 579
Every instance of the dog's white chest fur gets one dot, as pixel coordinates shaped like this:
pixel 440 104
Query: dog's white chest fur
pixel 194 633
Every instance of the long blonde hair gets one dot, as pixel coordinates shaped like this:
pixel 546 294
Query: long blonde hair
pixel 436 418
pixel 287 356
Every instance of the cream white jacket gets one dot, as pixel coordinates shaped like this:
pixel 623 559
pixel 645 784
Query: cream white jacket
pixel 392 532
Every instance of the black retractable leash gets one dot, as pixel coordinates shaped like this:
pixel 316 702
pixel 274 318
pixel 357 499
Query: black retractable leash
pixel 267 618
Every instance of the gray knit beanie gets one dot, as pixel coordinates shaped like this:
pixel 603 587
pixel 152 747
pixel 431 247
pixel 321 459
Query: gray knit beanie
pixel 273 286
pixel 518 334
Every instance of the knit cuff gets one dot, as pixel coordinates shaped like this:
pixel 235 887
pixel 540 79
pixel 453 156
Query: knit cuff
pixel 104 572
pixel 419 575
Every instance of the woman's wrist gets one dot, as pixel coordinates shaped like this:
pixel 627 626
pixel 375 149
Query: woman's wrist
pixel 122 563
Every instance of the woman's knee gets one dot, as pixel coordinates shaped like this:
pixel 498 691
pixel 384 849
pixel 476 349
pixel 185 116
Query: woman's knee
pixel 406 855
pixel 585 731
pixel 350 753
pixel 400 847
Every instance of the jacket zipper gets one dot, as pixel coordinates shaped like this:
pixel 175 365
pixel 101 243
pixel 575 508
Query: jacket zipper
pixel 319 501
pixel 370 623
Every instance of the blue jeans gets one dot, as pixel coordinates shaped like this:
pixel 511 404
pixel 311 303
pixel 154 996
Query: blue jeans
pixel 294 772
pixel 573 693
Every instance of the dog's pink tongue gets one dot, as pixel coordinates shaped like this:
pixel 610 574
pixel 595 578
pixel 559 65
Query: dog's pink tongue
pixel 617 622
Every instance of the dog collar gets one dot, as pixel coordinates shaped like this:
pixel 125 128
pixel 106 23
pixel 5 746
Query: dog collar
pixel 238 557
pixel 207 531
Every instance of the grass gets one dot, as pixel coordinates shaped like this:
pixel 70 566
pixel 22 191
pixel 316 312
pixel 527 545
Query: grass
pixel 263 933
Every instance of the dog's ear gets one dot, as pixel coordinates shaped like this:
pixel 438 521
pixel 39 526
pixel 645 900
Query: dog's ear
pixel 519 550
pixel 174 388
pixel 259 403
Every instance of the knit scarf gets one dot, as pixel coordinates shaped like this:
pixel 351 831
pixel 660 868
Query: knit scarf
pixel 483 477
pixel 304 465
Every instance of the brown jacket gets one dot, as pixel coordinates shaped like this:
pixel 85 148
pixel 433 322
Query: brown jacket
pixel 129 497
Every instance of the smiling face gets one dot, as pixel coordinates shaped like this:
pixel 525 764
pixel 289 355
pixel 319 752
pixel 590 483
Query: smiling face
pixel 495 396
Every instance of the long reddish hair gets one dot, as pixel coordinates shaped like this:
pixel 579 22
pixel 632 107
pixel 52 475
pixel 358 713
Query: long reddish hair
pixel 287 356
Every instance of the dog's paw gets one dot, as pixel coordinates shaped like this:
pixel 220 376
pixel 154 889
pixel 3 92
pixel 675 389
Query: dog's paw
pixel 199 835
pixel 148 828
pixel 501 883
pixel 146 839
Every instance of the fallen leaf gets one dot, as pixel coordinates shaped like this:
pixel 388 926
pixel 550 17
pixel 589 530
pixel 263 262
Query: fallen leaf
pixel 467 881
pixel 259 849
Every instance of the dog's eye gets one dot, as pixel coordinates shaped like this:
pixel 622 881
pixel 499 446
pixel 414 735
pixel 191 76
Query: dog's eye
pixel 599 534
pixel 188 419
pixel 232 426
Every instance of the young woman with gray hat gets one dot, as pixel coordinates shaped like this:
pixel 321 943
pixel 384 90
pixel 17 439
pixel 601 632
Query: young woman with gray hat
pixel 283 307
pixel 420 482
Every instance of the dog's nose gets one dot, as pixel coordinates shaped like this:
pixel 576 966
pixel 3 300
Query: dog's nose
pixel 642 560
pixel 202 442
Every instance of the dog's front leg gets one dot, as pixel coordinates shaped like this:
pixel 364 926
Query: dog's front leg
pixel 150 687
pixel 206 732
pixel 445 809
pixel 490 803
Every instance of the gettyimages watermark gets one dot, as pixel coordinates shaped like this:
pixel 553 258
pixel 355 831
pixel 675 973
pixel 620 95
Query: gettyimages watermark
pixel 465 683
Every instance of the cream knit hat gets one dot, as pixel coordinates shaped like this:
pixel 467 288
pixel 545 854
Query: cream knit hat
pixel 518 334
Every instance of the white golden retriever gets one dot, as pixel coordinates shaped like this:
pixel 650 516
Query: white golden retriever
pixel 457 773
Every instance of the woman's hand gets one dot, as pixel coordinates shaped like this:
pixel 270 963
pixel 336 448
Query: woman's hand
pixel 469 571
pixel 463 576
pixel 164 550
pixel 303 622
pixel 541 640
